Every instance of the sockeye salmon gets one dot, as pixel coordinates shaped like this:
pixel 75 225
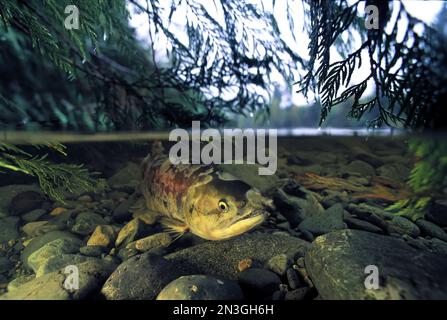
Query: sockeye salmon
pixel 201 199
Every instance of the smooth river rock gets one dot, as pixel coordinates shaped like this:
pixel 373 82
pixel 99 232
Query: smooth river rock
pixel 336 264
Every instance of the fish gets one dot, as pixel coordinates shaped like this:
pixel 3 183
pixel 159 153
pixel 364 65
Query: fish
pixel 201 199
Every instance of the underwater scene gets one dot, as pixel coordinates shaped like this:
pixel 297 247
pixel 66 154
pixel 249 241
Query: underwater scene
pixel 261 151
pixel 338 209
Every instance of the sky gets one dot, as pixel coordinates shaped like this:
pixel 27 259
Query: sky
pixel 424 10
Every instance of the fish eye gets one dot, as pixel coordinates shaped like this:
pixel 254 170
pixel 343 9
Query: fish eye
pixel 223 206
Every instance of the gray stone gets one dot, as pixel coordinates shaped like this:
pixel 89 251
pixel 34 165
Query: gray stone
pixel 121 212
pixel 394 171
pixel 93 251
pixel 37 228
pixel 33 215
pixel 258 282
pixel 336 264
pixel 40 241
pixel 293 279
pixel 295 209
pixel 297 294
pixel 9 228
pixel 279 264
pixel 54 255
pixel 402 225
pixel 358 167
pixel 25 202
pixel 133 230
pixel 430 229
pixel 221 258
pixel 86 223
pixel 7 193
pixel 354 223
pixel 141 277
pixel 201 287
pixel 50 286
pixel 330 220
pixel 128 176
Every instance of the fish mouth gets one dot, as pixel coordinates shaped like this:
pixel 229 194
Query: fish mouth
pixel 255 214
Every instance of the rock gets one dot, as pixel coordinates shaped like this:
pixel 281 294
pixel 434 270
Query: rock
pixel 127 253
pixel 19 281
pixel 55 255
pixel 121 212
pixel 9 192
pixel 37 228
pixel 336 264
pixel 333 197
pixel 104 235
pixel 394 171
pixel 297 294
pixel 257 282
pixel 132 231
pixel 358 167
pixel 221 258
pixel 279 264
pixel 431 229
pixel 358 224
pixel 57 211
pixel 402 225
pixel 330 220
pixel 86 223
pixel 37 243
pixel 25 202
pixel 433 245
pixel 128 176
pixel 201 287
pixel 244 264
pixel 438 213
pixel 33 215
pixel 52 286
pixel 296 209
pixel 9 228
pixel 93 251
pixel 5 264
pixel 85 198
pixel 293 279
pixel 146 216
pixel 157 240
pixel 141 277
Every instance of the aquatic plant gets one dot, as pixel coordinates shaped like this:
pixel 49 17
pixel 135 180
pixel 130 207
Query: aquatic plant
pixel 55 179
pixel 428 177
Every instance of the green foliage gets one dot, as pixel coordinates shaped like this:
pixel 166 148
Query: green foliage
pixel 408 74
pixel 428 177
pixel 54 178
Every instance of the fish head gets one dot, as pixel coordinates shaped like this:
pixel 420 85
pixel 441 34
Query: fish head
pixel 225 208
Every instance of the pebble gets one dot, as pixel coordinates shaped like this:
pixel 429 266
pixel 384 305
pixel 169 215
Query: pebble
pixel 57 211
pixel 403 226
pixel 244 264
pixel 279 264
pixel 104 235
pixel 132 231
pixel 33 215
pixel 293 279
pixel 157 240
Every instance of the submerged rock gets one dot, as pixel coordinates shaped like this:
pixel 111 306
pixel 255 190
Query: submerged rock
pixel 431 229
pixel 358 167
pixel 221 258
pixel 201 287
pixel 354 223
pixel 132 231
pixel 126 178
pixel 438 213
pixel 86 223
pixel 330 220
pixel 25 202
pixel 7 193
pixel 279 264
pixel 9 228
pixel 157 240
pixel 33 215
pixel 41 241
pixel 256 282
pixel 104 235
pixel 336 264
pixel 402 225
pixel 141 277
pixel 53 286
pixel 38 228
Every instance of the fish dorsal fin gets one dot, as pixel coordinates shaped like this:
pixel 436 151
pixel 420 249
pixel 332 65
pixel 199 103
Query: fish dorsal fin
pixel 157 149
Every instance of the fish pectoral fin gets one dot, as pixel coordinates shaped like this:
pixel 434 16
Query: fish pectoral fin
pixel 174 226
